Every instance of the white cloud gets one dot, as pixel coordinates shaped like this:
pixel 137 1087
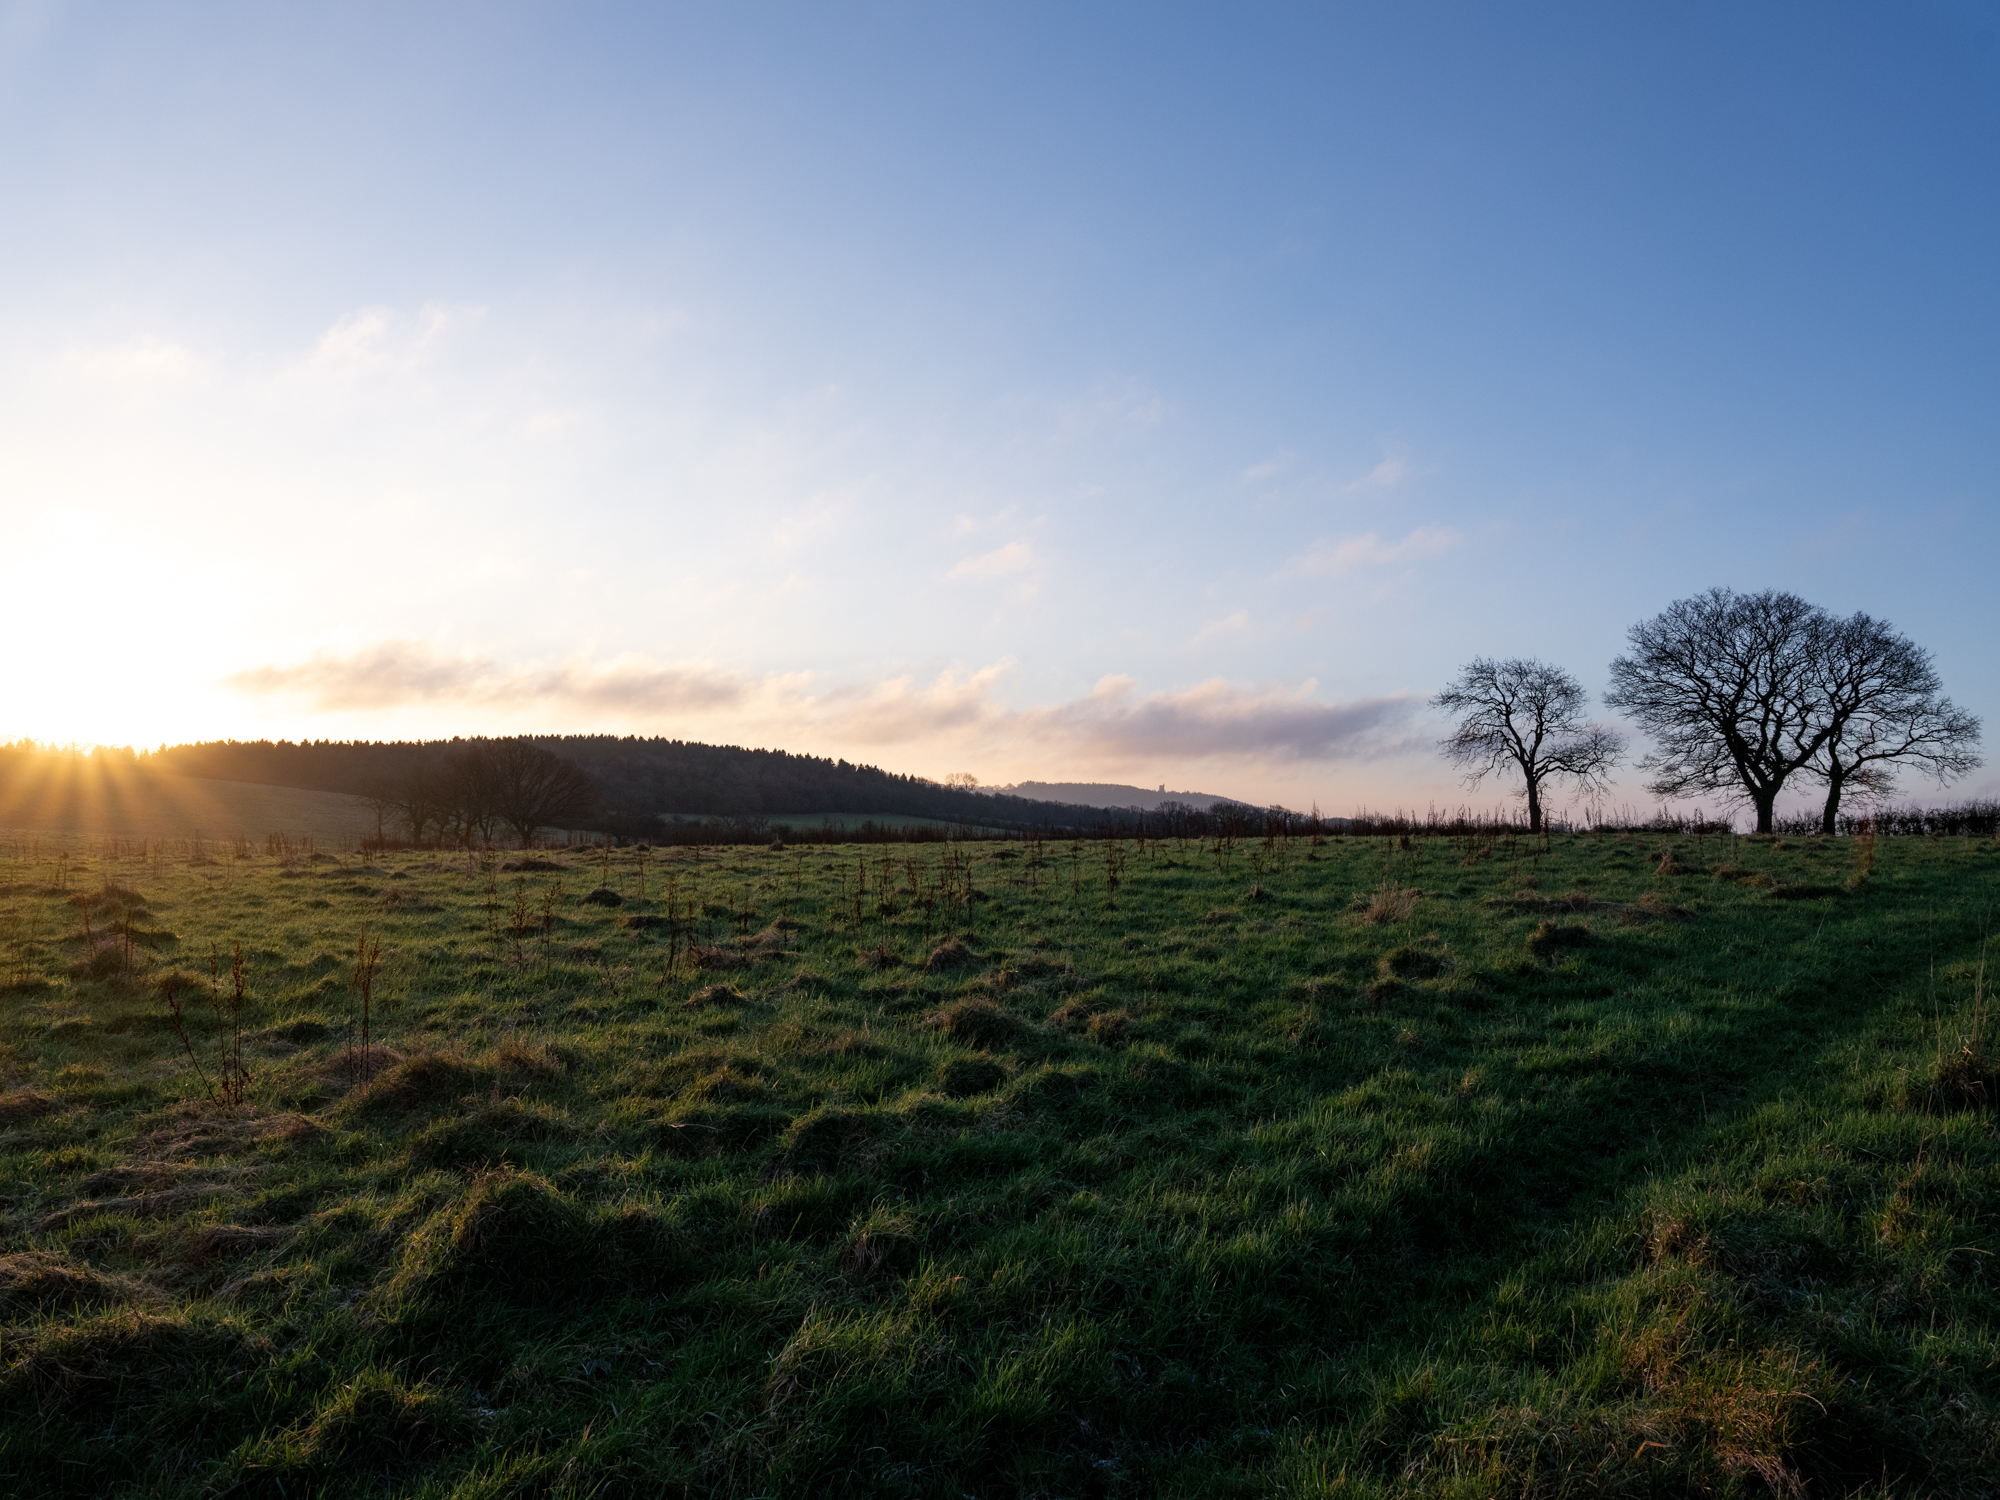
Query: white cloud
pixel 1386 475
pixel 1334 559
pixel 382 339
pixel 952 712
pixel 1233 623
pixel 1000 562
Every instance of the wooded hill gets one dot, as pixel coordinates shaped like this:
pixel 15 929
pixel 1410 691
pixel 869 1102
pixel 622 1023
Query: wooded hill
pixel 640 779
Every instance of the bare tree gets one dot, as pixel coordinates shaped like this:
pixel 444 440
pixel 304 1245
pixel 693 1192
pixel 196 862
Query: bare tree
pixel 422 802
pixel 1884 707
pixel 380 797
pixel 1730 687
pixel 533 787
pixel 1525 716
pixel 469 778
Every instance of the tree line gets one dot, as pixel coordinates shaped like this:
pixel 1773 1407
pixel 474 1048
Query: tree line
pixel 1741 695
pixel 639 780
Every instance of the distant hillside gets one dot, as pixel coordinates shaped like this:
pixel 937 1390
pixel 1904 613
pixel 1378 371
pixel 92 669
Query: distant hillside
pixel 1109 794
pixel 641 779
pixel 113 795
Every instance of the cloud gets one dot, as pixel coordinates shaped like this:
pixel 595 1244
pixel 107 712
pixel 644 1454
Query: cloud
pixel 998 563
pixel 1219 720
pixel 949 713
pixel 1333 559
pixel 1386 475
pixel 397 674
pixel 378 336
pixel 1229 624
pixel 1265 469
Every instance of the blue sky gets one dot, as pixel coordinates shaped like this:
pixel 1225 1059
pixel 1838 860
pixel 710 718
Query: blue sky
pixel 1144 393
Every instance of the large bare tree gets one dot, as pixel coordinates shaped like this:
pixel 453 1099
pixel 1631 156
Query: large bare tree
pixel 1730 688
pixel 1525 717
pixel 1884 707
pixel 533 787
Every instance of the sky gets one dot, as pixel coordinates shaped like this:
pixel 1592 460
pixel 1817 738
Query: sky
pixel 1148 393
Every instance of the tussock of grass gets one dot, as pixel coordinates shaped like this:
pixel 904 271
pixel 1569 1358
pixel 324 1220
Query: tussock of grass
pixel 18 1105
pixel 715 994
pixel 962 1077
pixel 955 954
pixel 1390 904
pixel 36 1282
pixel 976 1022
pixel 1552 938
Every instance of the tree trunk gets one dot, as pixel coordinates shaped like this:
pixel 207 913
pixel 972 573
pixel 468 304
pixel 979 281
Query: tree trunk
pixel 1763 802
pixel 1830 818
pixel 1534 805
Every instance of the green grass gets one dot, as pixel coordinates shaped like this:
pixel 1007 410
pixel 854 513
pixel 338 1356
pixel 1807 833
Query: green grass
pixel 1565 1176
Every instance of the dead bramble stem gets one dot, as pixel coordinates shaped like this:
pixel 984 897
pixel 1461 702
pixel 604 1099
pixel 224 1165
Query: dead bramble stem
pixel 170 992
pixel 367 959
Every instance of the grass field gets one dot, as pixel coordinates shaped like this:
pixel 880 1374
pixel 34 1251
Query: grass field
pixel 1635 1166
pixel 86 796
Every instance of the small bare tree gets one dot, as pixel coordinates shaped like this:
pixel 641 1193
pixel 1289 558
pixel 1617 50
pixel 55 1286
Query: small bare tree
pixel 1527 717
pixel 1884 707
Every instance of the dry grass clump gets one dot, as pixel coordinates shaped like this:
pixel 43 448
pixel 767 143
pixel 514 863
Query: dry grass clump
pixel 878 958
pixel 157 1205
pixel 773 937
pixel 715 994
pixel 1556 937
pixel 517 1059
pixel 728 1084
pixel 721 958
pixel 948 956
pixel 377 1422
pixel 963 1077
pixel 1407 961
pixel 127 1358
pixel 884 1241
pixel 423 1080
pixel 515 1236
pixel 210 1244
pixel 828 1140
pixel 1109 1028
pixel 358 1064
pixel 36 1282
pixel 1391 903
pixel 1968 1080
pixel 1652 907
pixel 975 1022
pixel 21 1105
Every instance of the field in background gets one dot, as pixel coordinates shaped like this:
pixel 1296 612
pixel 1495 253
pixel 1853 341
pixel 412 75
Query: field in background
pixel 1615 1165
pixel 101 795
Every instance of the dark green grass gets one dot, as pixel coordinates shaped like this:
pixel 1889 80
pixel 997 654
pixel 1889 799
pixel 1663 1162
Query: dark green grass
pixel 1562 1176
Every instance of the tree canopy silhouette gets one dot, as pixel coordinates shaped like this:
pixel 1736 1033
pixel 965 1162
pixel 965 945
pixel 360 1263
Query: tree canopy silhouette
pixel 1525 716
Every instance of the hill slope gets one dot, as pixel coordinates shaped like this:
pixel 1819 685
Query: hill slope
pixel 641 778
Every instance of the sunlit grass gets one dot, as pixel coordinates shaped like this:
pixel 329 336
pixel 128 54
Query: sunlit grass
pixel 1461 1168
